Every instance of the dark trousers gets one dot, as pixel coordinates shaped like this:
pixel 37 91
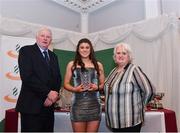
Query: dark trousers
pixel 136 128
pixel 42 122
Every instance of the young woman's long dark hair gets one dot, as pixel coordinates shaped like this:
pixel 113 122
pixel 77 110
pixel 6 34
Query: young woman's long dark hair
pixel 78 60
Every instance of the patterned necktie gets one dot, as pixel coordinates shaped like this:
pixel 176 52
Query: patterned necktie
pixel 46 57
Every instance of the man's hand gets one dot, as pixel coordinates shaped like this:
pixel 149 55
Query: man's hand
pixel 53 96
pixel 47 102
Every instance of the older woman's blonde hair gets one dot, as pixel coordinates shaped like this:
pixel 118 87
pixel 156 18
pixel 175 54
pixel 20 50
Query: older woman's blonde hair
pixel 126 47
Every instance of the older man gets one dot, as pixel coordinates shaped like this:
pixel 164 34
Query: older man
pixel 41 81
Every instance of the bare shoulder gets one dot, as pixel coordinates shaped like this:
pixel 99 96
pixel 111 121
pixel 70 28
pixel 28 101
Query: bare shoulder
pixel 70 64
pixel 100 64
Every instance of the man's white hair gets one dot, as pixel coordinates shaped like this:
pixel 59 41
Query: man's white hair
pixel 42 29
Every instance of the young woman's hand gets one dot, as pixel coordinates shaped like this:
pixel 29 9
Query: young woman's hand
pixel 93 87
pixel 79 88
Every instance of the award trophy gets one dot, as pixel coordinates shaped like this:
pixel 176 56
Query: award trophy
pixel 156 101
pixel 85 79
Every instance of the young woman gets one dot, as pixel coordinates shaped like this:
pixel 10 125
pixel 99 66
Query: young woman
pixel 87 75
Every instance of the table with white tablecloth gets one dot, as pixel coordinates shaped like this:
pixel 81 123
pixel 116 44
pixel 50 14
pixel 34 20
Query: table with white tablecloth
pixel 154 122
pixel 161 120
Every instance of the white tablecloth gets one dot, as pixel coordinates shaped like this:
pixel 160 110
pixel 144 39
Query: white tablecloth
pixel 154 122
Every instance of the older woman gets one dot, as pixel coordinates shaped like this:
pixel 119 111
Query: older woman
pixel 127 90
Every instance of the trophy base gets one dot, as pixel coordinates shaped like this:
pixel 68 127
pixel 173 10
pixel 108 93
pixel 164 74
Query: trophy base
pixel 157 106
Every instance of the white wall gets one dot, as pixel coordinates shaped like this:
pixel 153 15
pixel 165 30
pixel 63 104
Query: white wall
pixel 49 13
pixel 117 13
pixel 44 12
pixel 169 6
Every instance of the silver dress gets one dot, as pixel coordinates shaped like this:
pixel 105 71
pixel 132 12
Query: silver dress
pixel 85 105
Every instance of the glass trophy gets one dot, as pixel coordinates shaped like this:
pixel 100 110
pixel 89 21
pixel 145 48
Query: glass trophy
pixel 85 79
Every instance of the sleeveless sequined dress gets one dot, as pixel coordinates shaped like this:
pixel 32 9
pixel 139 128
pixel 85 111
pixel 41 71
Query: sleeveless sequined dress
pixel 85 105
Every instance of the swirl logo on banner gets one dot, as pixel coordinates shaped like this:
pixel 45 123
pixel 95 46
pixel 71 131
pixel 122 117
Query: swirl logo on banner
pixel 9 72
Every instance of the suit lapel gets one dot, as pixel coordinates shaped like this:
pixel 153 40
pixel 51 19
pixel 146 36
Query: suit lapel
pixel 40 55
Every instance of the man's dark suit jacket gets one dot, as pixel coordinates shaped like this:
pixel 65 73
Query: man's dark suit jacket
pixel 37 78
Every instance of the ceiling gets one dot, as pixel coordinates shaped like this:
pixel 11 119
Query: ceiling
pixel 84 6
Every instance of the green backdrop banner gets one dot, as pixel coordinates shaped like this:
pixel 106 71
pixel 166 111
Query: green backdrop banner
pixel 2 126
pixel 104 56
